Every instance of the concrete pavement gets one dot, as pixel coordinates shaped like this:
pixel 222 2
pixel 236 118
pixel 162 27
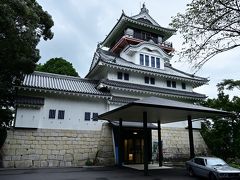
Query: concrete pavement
pixel 106 173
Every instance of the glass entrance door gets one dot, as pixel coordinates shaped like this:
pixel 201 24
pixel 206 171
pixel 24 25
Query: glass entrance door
pixel 133 150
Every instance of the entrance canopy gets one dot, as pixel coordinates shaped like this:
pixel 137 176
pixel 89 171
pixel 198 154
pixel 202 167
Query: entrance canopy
pixel 161 109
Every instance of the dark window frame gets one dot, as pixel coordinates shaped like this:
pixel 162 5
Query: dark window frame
pixel 158 63
pixel 174 84
pixel 52 114
pixel 146 60
pixel 169 83
pixel 152 80
pixel 61 114
pixel 141 59
pixel 87 116
pixel 126 76
pixel 153 63
pixel 146 80
pixel 183 85
pixel 120 75
pixel 95 116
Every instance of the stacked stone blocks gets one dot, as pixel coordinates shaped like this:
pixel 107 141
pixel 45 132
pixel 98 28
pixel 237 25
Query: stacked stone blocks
pixel 56 148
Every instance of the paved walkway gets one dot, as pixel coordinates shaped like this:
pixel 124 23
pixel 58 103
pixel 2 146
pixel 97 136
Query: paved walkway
pixel 112 173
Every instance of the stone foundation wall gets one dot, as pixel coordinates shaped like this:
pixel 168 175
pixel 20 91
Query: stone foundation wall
pixel 176 143
pixel 56 148
pixel 71 148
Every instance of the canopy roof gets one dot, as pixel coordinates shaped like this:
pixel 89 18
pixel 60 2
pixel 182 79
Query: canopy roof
pixel 161 109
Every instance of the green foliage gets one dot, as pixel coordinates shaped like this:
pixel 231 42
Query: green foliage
pixel 88 162
pixel 208 28
pixel 222 134
pixel 22 24
pixel 230 84
pixel 57 66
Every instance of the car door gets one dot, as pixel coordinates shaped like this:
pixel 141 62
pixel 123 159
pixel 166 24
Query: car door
pixel 200 167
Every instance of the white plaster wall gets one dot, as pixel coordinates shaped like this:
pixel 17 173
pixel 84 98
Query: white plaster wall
pixel 74 107
pixel 137 78
pixel 183 124
pixel 27 117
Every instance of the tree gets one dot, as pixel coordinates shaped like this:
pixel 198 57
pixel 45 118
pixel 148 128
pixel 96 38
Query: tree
pixel 230 84
pixel 208 27
pixel 224 132
pixel 22 24
pixel 57 66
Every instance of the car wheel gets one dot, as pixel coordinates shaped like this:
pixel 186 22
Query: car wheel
pixel 190 172
pixel 212 176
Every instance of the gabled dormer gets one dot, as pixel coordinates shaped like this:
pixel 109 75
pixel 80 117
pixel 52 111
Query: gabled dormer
pixel 137 29
pixel 146 54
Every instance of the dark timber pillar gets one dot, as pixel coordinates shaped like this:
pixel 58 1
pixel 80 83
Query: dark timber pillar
pixel 120 144
pixel 160 152
pixel 190 133
pixel 145 143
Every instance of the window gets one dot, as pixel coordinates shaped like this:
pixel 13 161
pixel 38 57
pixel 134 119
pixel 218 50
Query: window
pixel 168 83
pixel 158 62
pixel 141 59
pixel 174 84
pixel 183 86
pixel 87 116
pixel 119 75
pixel 199 161
pixel 126 76
pixel 146 60
pixel 146 79
pixel 149 80
pixel 61 114
pixel 171 84
pixel 52 114
pixel 95 116
pixel 152 61
pixel 152 80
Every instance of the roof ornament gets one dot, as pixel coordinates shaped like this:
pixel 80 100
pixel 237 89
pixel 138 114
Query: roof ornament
pixel 144 9
pixel 123 12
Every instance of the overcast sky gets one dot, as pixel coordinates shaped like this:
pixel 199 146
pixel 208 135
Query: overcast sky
pixel 80 24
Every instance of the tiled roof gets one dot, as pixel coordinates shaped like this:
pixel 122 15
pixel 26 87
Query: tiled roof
pixel 168 71
pixel 119 99
pixel 151 89
pixel 49 81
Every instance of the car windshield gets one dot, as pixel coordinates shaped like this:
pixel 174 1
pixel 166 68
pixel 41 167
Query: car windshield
pixel 215 162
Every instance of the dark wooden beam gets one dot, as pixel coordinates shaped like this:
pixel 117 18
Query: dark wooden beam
pixel 190 133
pixel 120 144
pixel 160 152
pixel 145 132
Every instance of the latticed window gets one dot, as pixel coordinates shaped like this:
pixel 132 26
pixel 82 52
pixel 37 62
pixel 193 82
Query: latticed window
pixel 152 61
pixel 95 116
pixel 52 114
pixel 146 60
pixel 158 62
pixel 61 114
pixel 141 59
pixel 87 116
pixel 126 76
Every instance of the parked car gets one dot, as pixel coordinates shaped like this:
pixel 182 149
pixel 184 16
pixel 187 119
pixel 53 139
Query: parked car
pixel 212 168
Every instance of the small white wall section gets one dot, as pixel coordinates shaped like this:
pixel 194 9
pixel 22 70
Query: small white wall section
pixel 74 117
pixel 27 117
